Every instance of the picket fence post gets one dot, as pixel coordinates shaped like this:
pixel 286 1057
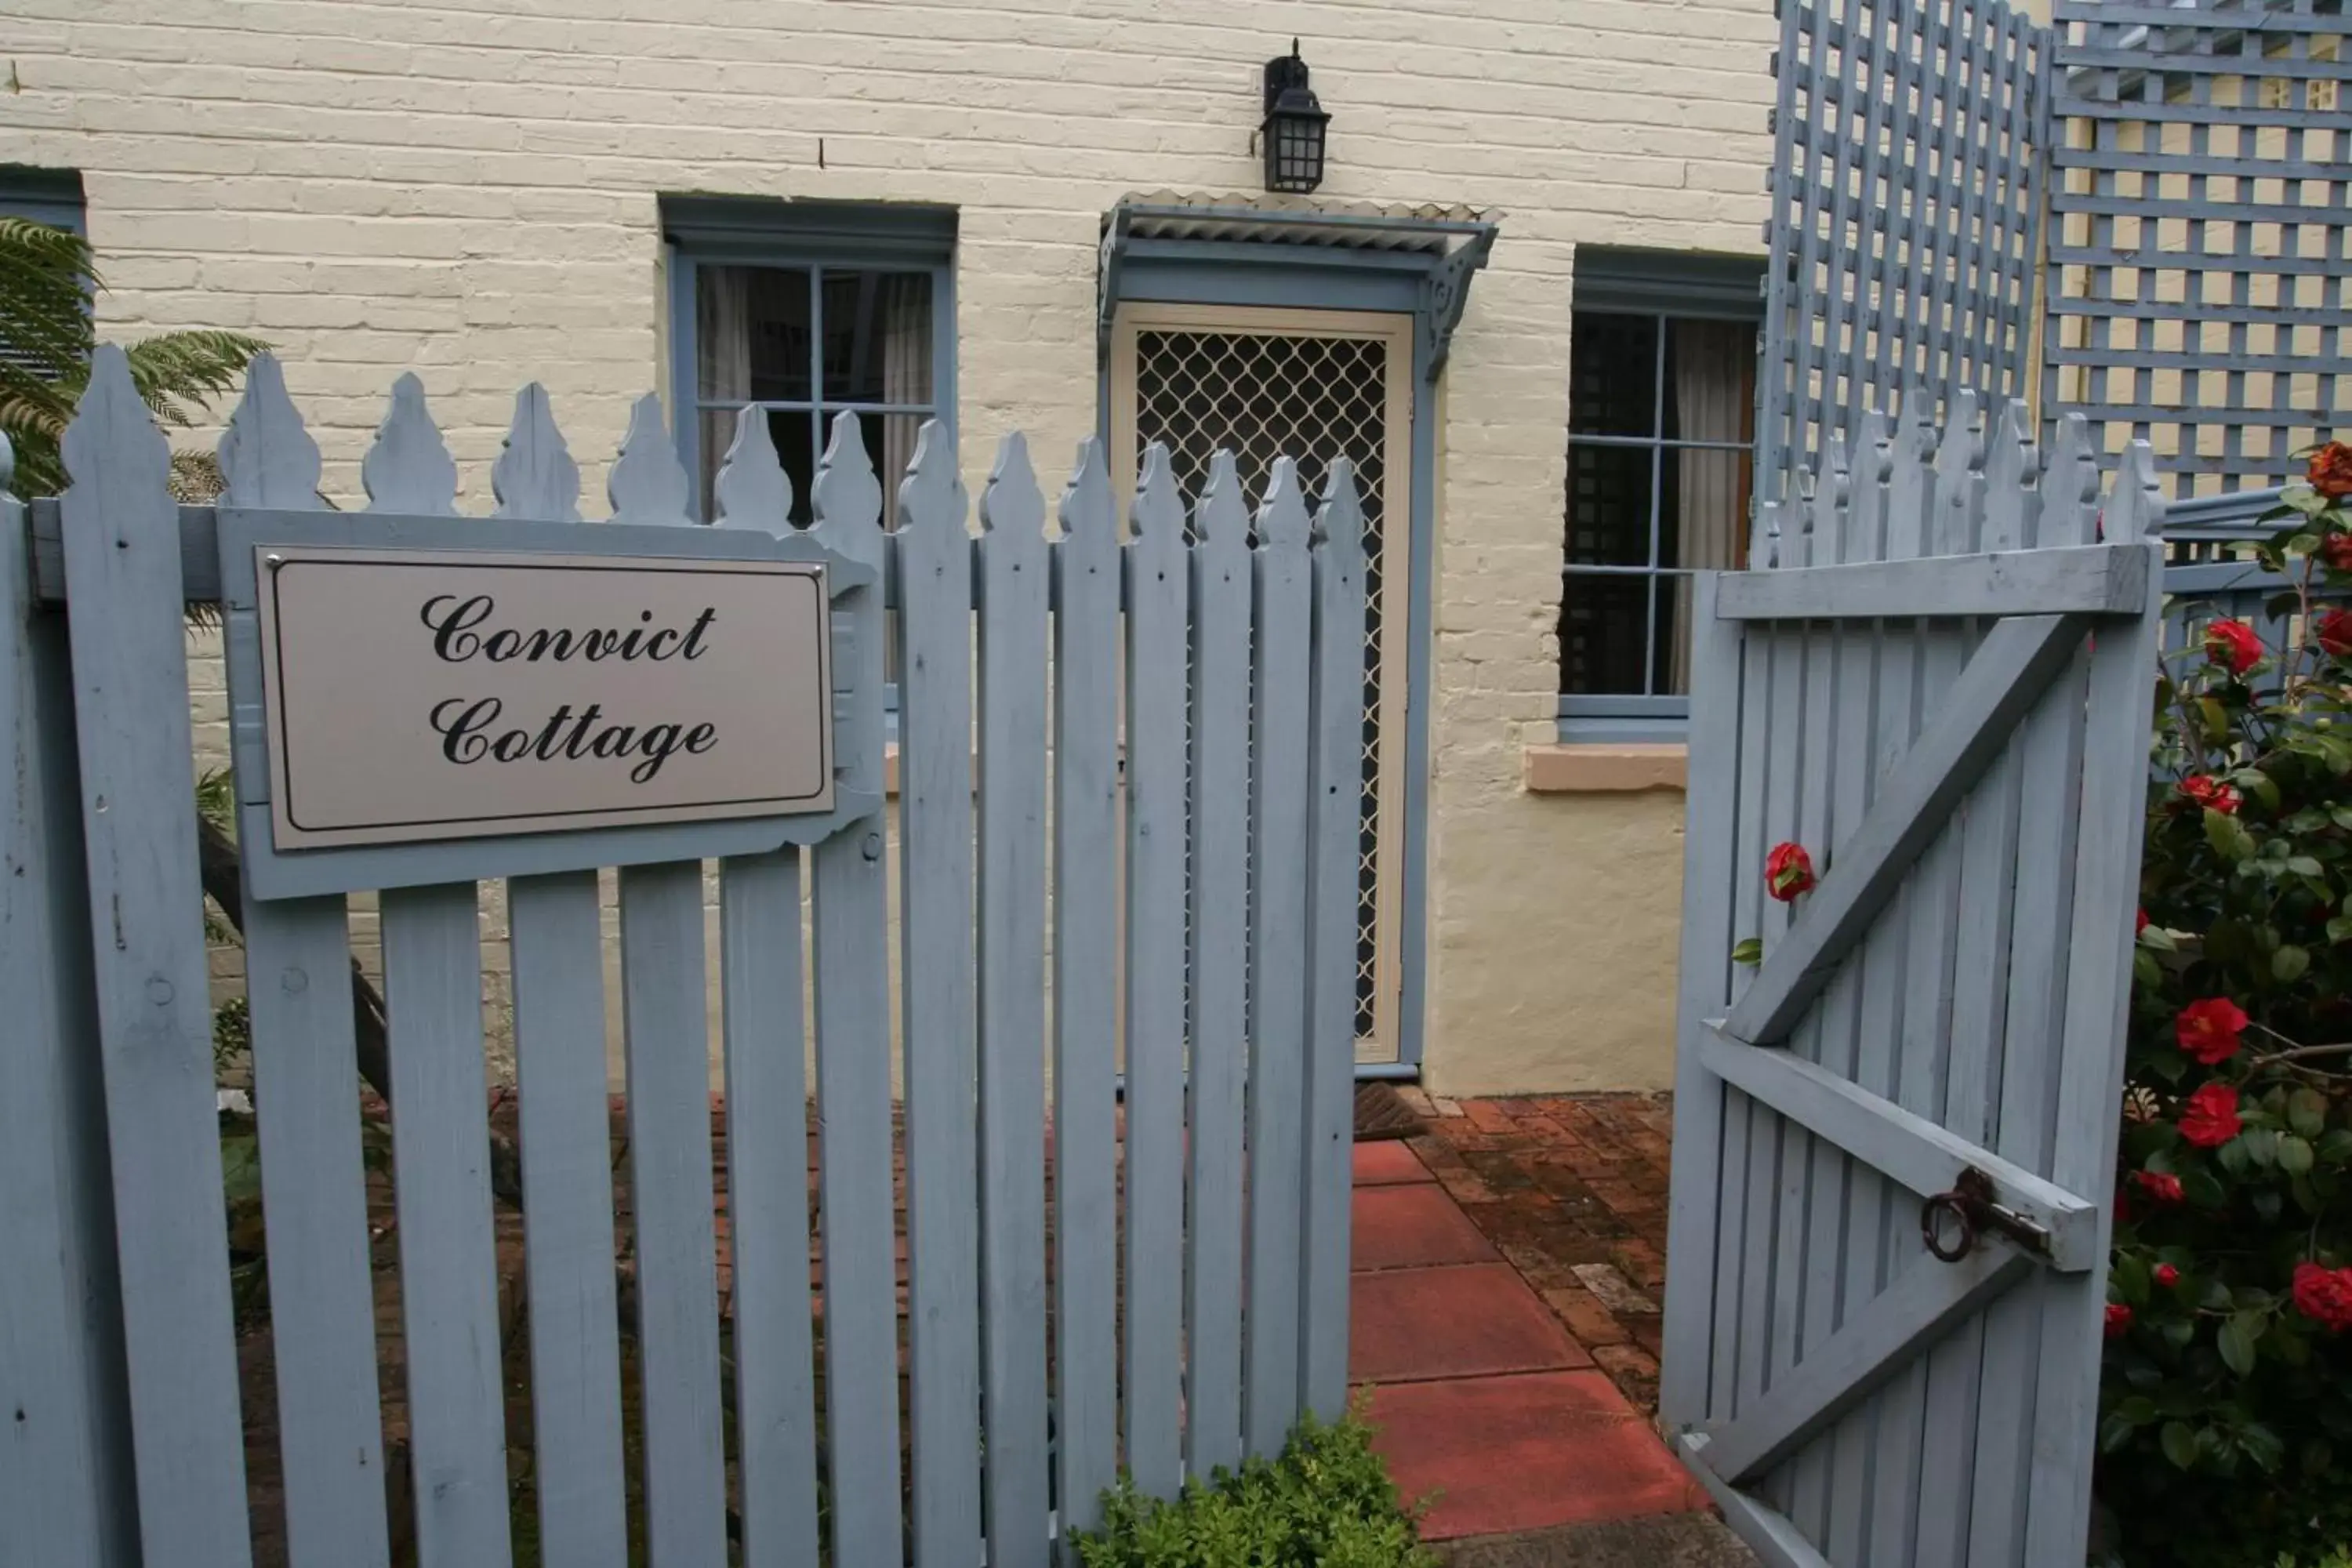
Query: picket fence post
pixel 65 1456
pixel 155 1017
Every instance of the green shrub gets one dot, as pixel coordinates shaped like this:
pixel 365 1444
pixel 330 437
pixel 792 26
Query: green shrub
pixel 2226 1405
pixel 2341 1557
pixel 1327 1502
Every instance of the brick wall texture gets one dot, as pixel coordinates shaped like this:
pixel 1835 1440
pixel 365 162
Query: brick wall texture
pixel 466 189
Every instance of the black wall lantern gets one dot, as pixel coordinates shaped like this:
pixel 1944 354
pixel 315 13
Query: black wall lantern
pixel 1293 132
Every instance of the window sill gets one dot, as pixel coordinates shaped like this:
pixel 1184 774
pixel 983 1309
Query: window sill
pixel 1603 769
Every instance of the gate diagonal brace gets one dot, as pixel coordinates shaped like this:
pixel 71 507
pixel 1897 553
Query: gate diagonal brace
pixel 2008 674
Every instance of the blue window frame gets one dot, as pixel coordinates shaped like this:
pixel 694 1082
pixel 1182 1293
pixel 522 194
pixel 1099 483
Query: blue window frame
pixel 808 309
pixel 1660 449
pixel 52 197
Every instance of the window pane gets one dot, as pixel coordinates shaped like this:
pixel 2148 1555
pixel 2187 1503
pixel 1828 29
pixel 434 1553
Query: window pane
pixel 877 337
pixel 1671 635
pixel 751 333
pixel 1604 629
pixel 1609 505
pixel 1711 385
pixel 1612 382
pixel 1702 509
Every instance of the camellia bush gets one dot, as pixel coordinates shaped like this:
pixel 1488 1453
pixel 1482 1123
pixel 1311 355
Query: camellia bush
pixel 2226 1405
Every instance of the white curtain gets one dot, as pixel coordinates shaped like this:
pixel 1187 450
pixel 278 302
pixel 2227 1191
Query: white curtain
pixel 1712 361
pixel 906 377
pixel 723 338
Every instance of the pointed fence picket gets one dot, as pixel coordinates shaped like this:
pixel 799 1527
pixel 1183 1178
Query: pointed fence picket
pixel 1126 760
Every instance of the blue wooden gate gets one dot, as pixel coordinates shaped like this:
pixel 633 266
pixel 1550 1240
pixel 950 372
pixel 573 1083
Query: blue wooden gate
pixel 1935 685
pixel 1043 916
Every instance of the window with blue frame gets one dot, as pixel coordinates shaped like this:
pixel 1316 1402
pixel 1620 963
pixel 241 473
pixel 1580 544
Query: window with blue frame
pixel 805 310
pixel 1661 403
pixel 52 197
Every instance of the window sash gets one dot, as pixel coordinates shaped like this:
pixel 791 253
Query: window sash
pixel 816 255
pixel 1649 714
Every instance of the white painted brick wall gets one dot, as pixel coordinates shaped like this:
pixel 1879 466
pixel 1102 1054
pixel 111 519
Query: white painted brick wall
pixel 466 189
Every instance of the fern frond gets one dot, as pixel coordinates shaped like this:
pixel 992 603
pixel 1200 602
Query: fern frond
pixel 178 373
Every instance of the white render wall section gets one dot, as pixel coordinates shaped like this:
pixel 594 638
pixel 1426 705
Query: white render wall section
pixel 466 188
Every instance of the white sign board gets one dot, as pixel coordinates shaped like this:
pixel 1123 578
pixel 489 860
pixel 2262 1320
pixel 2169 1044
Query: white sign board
pixel 430 694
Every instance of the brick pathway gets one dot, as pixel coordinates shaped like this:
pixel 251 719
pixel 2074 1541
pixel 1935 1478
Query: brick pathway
pixel 1508 1268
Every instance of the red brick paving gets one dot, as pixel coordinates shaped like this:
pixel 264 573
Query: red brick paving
pixel 1525 1452
pixel 1387 1162
pixel 1408 1325
pixel 1414 1226
pixel 1572 1190
pixel 1518 1391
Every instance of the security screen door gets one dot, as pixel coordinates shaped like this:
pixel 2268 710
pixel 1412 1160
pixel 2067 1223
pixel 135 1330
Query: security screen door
pixel 1313 384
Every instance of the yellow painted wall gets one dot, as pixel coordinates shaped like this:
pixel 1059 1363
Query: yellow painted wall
pixel 468 190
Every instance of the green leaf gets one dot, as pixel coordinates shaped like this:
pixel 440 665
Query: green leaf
pixel 2337 1147
pixel 2137 1410
pixel 2339 929
pixel 2202 1188
pixel 2129 1280
pixel 2148 974
pixel 2261 1444
pixel 2237 1341
pixel 2306 1111
pixel 2261 1145
pixel 2227 836
pixel 1749 951
pixel 2306 1197
pixel 2289 963
pixel 2295 1155
pixel 2179 1444
pixel 2305 866
pixel 2113 1434
pixel 2216 718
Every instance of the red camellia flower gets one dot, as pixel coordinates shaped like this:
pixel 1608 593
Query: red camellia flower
pixel 2119 1318
pixel 2334 634
pixel 2211 1119
pixel 2212 794
pixel 2331 470
pixel 2324 1295
pixel 2336 551
pixel 1787 871
pixel 2161 1185
pixel 2142 923
pixel 2233 645
pixel 2166 1275
pixel 2208 1029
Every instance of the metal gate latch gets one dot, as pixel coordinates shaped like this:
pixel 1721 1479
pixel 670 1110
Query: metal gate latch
pixel 1971 1207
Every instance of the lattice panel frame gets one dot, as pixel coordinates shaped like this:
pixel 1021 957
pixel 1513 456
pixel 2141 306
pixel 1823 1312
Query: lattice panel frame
pixel 1204 378
pixel 1905 223
pixel 2229 351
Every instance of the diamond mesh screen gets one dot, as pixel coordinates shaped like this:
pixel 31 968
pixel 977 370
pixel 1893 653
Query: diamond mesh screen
pixel 1263 396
